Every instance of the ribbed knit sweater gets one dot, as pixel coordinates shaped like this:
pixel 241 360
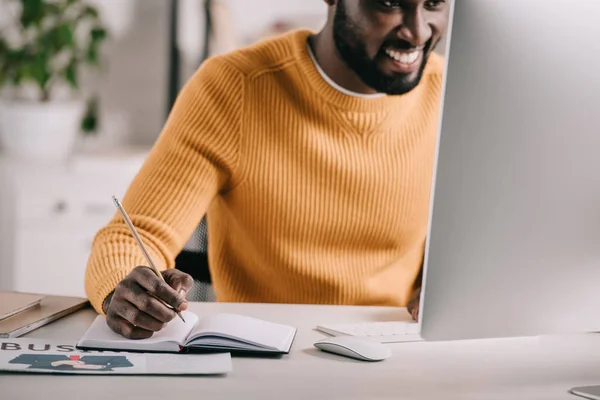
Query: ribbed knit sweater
pixel 311 195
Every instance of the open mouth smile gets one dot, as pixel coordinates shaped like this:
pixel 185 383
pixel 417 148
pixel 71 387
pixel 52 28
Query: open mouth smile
pixel 407 59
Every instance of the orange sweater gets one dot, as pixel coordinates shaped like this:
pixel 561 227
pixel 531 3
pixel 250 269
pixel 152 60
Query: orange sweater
pixel 312 195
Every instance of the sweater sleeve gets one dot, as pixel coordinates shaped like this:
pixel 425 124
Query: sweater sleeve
pixel 194 158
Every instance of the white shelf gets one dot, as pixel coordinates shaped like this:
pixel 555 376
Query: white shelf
pixel 50 213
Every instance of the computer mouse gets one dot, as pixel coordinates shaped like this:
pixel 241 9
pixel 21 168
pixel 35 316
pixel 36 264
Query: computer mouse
pixel 354 347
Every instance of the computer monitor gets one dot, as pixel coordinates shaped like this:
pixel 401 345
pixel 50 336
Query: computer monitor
pixel 514 240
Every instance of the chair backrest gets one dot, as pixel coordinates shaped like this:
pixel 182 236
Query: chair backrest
pixel 198 242
pixel 193 260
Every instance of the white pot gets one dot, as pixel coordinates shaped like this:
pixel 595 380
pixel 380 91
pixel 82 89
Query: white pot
pixel 40 131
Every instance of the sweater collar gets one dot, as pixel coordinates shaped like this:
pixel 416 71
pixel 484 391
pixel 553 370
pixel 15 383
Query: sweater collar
pixel 332 95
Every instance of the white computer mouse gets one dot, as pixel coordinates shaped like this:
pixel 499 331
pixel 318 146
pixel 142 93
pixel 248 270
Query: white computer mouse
pixel 353 347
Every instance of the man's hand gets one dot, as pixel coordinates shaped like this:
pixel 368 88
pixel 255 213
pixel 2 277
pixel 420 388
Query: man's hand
pixel 133 313
pixel 413 304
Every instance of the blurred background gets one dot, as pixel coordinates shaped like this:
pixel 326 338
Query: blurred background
pixel 79 115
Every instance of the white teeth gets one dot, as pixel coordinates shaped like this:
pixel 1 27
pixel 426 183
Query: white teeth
pixel 402 57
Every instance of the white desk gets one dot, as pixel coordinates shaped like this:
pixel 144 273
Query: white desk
pixel 512 369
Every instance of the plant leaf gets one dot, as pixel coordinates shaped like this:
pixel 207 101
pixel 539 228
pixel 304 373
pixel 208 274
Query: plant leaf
pixel 89 123
pixel 98 34
pixel 33 12
pixel 64 34
pixel 53 51
pixel 41 69
pixel 90 12
pixel 92 55
pixel 71 74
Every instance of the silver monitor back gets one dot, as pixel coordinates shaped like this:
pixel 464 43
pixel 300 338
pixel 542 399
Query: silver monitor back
pixel 514 243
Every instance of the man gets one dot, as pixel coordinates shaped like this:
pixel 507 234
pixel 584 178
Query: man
pixel 312 156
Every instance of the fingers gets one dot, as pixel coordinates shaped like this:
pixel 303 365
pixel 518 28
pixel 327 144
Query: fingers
pixel 146 278
pixel 138 318
pixel 133 312
pixel 126 329
pixel 415 313
pixel 413 305
pixel 179 281
pixel 137 296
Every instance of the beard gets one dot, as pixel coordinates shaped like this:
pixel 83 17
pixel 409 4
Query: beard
pixel 352 49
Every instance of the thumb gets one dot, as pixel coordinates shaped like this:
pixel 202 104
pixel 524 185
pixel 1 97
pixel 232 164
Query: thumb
pixel 179 281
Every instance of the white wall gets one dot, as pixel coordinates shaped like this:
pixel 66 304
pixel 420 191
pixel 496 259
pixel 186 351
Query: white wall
pixel 250 16
pixel 134 86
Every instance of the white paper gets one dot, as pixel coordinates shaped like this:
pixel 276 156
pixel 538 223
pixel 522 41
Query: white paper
pixel 51 357
pixel 252 330
pixel 99 335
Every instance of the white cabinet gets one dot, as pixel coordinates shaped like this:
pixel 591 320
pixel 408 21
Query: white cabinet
pixel 50 214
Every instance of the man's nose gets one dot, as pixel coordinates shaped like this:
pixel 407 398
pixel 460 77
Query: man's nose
pixel 414 29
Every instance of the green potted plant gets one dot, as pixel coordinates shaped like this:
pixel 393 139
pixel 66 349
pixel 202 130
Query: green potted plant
pixel 45 45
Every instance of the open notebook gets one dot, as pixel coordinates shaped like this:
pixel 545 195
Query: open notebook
pixel 216 332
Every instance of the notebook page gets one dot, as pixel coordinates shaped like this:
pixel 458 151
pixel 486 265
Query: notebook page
pixel 99 335
pixel 252 330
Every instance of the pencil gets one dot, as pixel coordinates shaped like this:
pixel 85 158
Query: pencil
pixel 144 250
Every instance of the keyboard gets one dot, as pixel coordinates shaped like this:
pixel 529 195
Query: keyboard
pixel 382 332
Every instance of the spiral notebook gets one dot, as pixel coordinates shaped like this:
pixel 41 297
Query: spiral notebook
pixel 215 332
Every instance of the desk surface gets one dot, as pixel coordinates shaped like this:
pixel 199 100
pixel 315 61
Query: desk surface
pixel 524 368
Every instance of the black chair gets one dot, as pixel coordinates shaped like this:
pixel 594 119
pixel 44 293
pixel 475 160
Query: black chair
pixel 193 260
